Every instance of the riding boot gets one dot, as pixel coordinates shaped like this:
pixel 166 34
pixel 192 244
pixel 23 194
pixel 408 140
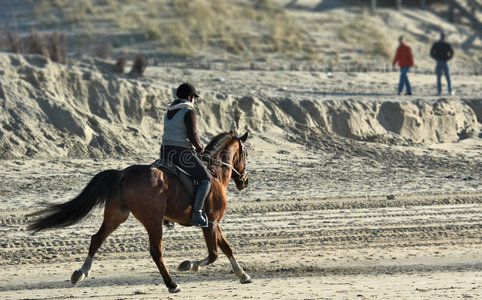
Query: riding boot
pixel 197 218
pixel 168 223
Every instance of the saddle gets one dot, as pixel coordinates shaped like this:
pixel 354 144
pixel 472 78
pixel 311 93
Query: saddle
pixel 186 180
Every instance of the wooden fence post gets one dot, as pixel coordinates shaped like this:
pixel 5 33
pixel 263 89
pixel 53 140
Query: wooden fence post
pixel 451 10
pixel 374 5
pixel 399 4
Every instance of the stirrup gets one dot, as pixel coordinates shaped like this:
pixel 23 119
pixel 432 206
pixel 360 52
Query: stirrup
pixel 168 223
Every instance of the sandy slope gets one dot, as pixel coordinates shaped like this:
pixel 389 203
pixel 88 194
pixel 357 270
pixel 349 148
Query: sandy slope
pixel 86 110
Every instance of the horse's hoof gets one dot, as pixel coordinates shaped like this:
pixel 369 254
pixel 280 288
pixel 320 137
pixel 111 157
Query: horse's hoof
pixel 185 266
pixel 174 289
pixel 245 279
pixel 77 276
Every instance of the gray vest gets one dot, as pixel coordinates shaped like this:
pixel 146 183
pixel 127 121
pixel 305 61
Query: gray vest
pixel 175 133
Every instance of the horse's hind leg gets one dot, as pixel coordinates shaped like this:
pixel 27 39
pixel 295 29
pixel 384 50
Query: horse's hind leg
pixel 226 248
pixel 113 217
pixel 210 239
pixel 154 229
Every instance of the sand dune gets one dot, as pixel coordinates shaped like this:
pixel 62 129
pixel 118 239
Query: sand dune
pixel 53 110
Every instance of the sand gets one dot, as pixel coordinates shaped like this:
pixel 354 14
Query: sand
pixel 354 192
pixel 302 243
pixel 379 225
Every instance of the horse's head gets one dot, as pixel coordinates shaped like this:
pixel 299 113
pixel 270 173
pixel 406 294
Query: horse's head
pixel 240 163
pixel 228 152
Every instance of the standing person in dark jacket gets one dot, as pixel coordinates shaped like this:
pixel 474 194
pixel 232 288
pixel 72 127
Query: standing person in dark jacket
pixel 180 140
pixel 404 58
pixel 442 52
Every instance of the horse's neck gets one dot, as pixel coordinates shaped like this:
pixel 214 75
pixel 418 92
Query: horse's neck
pixel 224 173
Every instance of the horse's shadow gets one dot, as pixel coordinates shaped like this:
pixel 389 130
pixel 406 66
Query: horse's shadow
pixel 107 281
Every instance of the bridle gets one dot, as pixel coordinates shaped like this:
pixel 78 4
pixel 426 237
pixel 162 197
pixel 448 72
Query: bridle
pixel 243 176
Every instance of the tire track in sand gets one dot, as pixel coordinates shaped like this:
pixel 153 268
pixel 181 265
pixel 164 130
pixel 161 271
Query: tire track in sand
pixel 257 230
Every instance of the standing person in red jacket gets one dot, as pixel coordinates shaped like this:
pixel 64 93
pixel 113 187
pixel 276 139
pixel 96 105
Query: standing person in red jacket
pixel 405 61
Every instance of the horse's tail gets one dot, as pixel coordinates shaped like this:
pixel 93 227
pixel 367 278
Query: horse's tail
pixel 99 190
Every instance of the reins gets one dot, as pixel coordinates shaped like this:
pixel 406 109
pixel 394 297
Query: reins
pixel 242 175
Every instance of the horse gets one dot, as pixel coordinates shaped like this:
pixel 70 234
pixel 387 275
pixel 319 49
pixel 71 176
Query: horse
pixel 152 195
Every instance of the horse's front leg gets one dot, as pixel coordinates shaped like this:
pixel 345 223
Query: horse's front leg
pixel 210 239
pixel 226 248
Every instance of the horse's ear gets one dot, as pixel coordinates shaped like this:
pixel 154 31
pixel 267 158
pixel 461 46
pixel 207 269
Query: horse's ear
pixel 244 137
pixel 231 132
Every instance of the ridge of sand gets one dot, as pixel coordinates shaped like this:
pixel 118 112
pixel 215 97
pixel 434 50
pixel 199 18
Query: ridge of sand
pixel 53 110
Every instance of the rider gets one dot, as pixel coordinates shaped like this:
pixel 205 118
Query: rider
pixel 179 141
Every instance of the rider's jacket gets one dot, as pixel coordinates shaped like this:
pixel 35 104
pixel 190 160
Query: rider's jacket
pixel 180 126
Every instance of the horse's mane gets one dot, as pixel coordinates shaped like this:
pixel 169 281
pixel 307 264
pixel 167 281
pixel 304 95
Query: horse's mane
pixel 217 142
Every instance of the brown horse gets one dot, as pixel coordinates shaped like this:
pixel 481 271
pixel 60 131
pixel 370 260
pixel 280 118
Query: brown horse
pixel 153 195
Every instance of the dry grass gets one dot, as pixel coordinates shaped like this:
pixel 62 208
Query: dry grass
pixel 189 27
pixel 139 65
pixel 177 39
pixel 10 41
pixel 362 32
pixel 120 64
pixel 153 31
pixel 57 47
pixel 78 11
pixel 49 45
pixel 283 34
